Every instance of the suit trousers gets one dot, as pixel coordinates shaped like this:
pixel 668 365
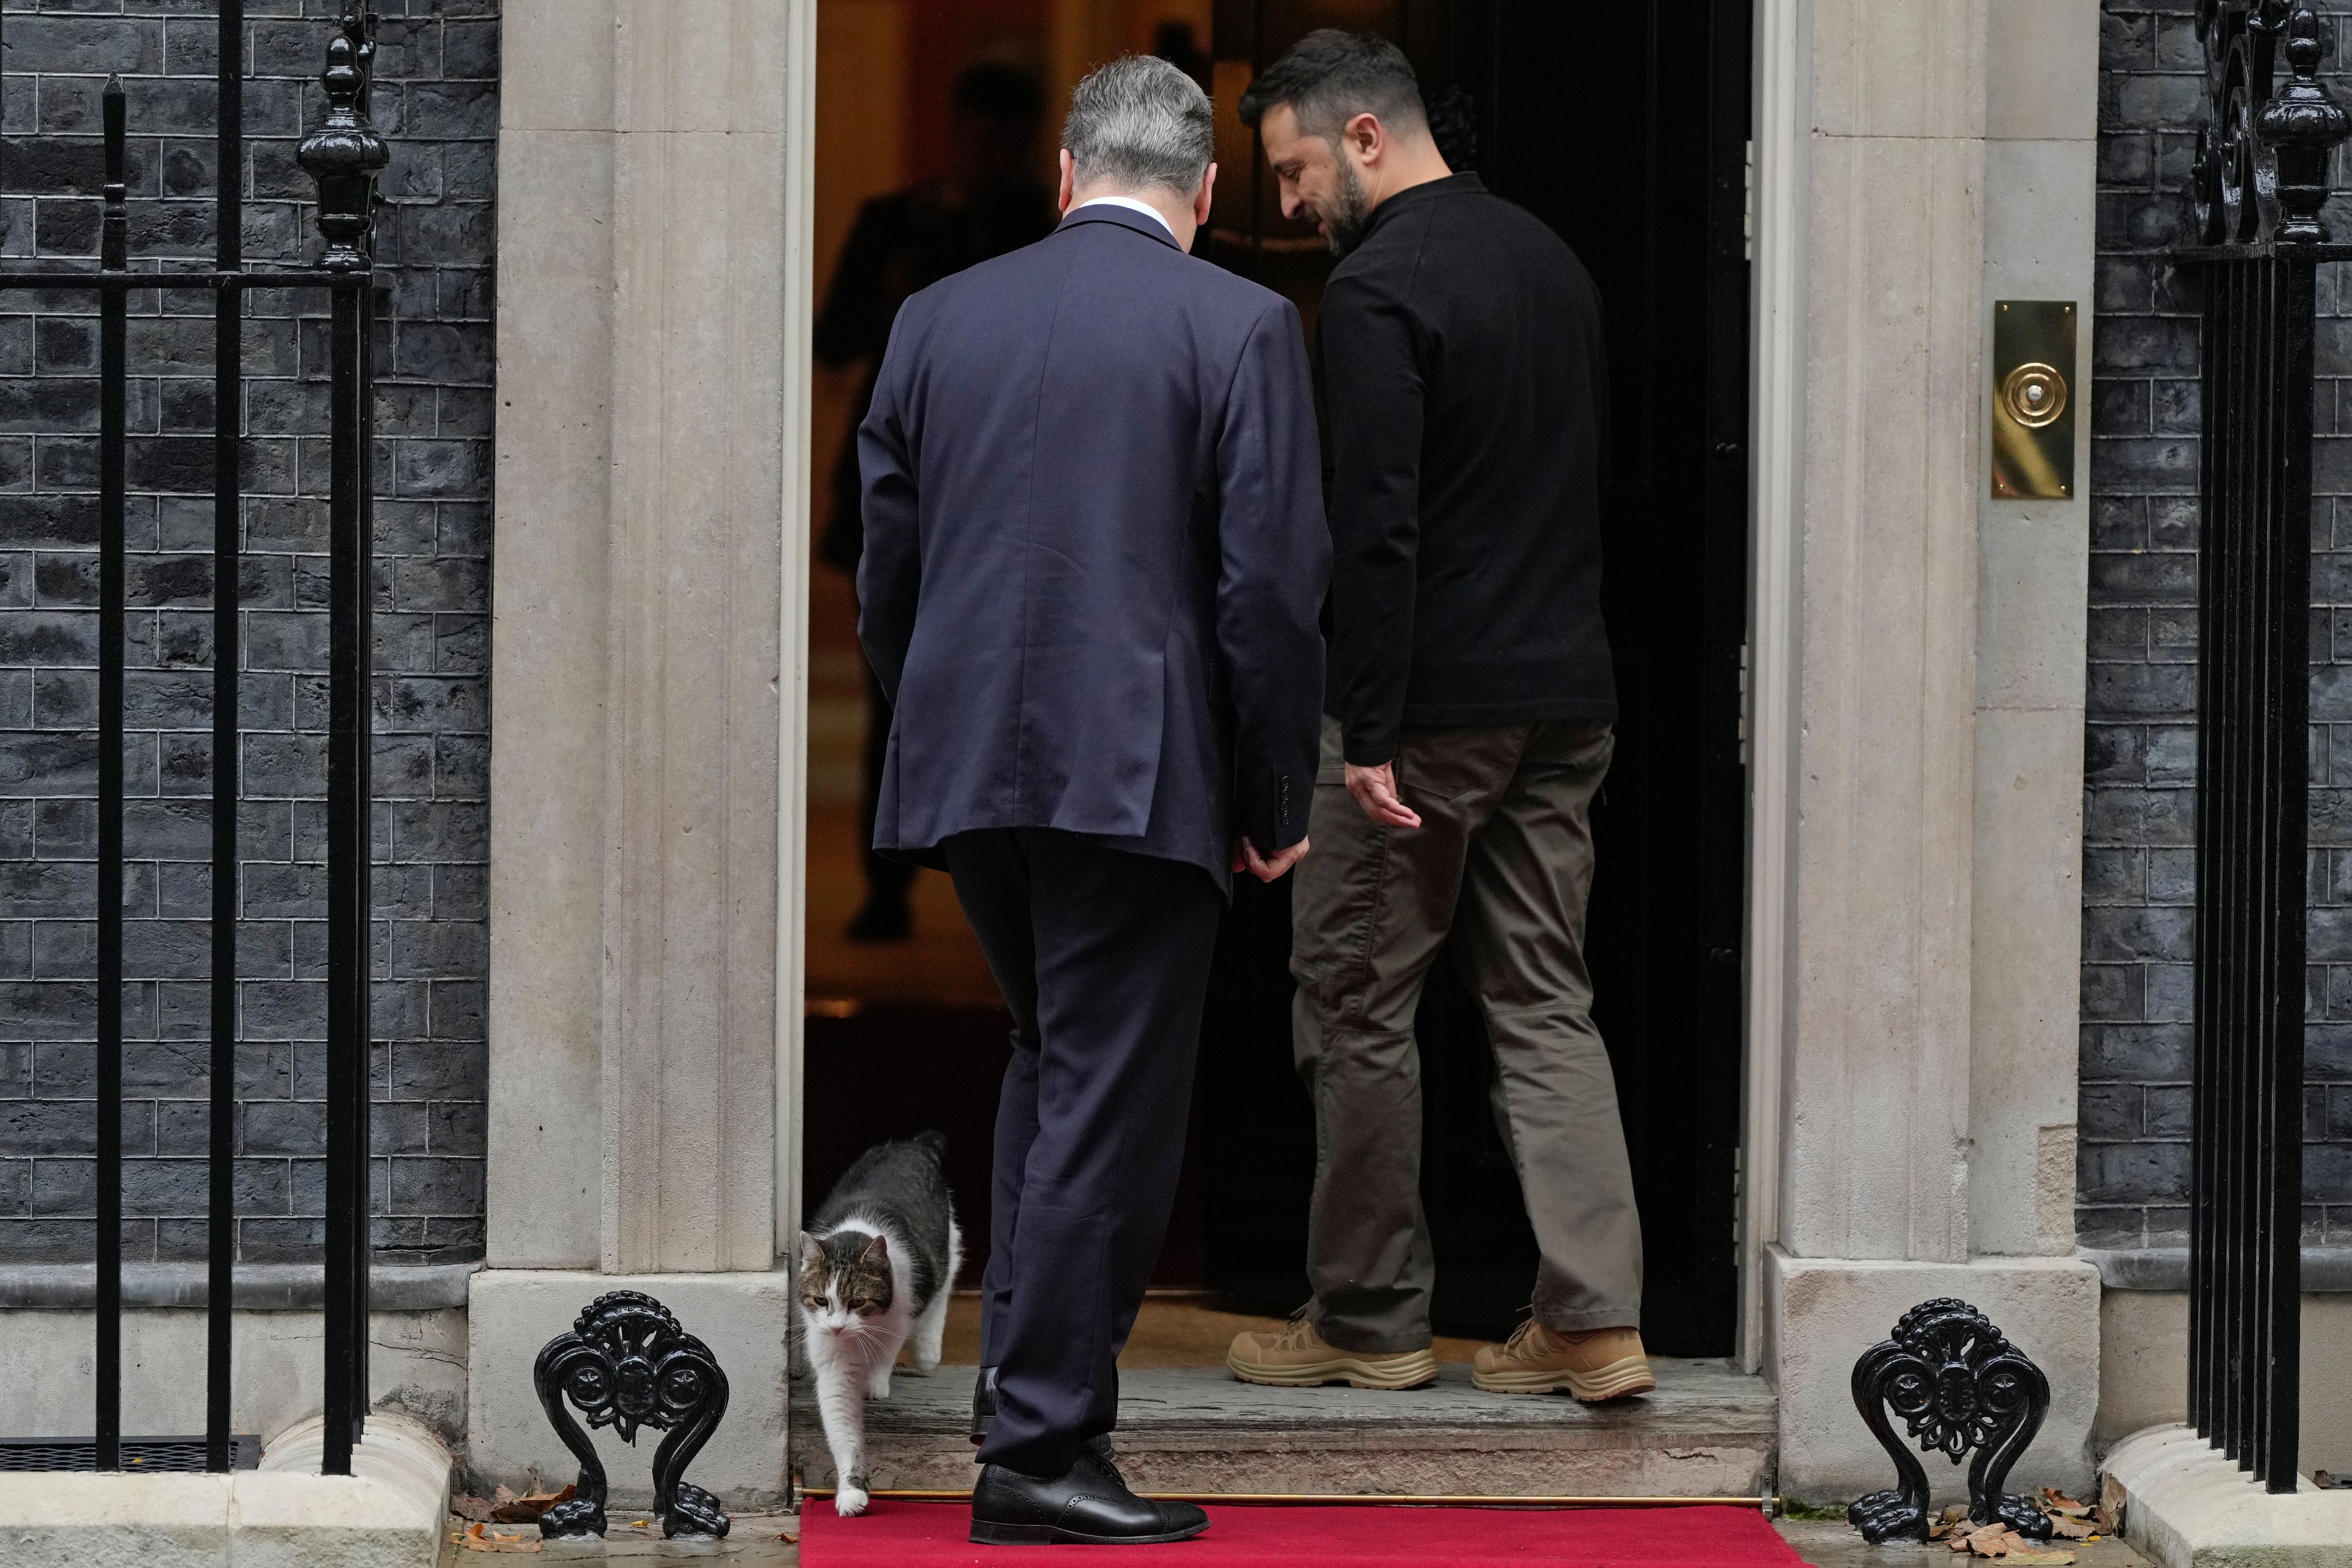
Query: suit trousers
pixel 1502 864
pixel 1103 958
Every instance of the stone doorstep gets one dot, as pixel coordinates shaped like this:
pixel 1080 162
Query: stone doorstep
pixel 1708 1431
pixel 2188 1507
pixel 388 1513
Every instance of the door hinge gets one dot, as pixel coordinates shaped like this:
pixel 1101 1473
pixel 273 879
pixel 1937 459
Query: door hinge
pixel 1747 704
pixel 1738 1192
pixel 1747 205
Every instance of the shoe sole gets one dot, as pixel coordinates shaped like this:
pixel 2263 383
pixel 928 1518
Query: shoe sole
pixel 1390 1374
pixel 1054 1535
pixel 1618 1380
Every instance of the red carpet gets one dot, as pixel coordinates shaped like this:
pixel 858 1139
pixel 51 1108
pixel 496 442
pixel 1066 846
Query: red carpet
pixel 931 1535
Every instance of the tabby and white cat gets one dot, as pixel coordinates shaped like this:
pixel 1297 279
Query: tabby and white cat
pixel 877 1266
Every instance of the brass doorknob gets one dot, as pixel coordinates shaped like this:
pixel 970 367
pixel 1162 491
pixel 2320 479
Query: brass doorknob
pixel 2033 394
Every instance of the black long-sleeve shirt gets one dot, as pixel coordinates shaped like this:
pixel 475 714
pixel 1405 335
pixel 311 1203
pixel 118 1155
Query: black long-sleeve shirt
pixel 1467 393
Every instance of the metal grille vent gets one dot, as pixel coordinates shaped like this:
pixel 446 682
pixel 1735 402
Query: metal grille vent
pixel 177 1454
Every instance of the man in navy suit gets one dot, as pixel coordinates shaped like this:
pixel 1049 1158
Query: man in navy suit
pixel 1095 556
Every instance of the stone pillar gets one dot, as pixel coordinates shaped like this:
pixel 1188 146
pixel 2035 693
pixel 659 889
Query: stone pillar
pixel 2042 126
pixel 1876 1164
pixel 650 357
pixel 1920 746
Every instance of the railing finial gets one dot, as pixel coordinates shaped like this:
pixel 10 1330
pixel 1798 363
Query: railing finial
pixel 2300 124
pixel 344 154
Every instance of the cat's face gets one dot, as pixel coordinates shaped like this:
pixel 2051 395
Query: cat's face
pixel 844 1281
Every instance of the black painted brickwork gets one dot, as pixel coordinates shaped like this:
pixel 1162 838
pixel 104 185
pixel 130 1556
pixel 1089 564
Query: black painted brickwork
pixel 2139 803
pixel 436 99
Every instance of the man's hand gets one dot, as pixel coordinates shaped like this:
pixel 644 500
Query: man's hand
pixel 1375 790
pixel 1266 868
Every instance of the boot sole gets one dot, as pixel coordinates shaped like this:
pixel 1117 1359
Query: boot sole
pixel 984 1534
pixel 1392 1374
pixel 1618 1380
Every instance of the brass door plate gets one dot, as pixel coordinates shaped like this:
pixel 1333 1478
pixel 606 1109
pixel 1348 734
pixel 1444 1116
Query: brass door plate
pixel 2033 399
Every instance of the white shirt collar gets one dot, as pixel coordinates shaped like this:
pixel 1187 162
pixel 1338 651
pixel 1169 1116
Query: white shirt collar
pixel 1132 206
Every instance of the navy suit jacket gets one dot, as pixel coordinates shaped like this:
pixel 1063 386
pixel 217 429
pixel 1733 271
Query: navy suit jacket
pixel 1095 552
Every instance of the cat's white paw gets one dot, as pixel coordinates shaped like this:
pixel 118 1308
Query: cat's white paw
pixel 849 1501
pixel 879 1385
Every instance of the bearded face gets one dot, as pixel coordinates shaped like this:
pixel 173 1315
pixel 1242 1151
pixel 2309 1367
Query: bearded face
pixel 1345 210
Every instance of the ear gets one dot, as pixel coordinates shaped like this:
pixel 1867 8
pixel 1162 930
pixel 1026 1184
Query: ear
pixel 1364 136
pixel 811 1256
pixel 1201 199
pixel 877 1254
pixel 1069 179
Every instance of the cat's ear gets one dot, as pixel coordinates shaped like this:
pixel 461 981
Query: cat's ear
pixel 877 1253
pixel 812 1257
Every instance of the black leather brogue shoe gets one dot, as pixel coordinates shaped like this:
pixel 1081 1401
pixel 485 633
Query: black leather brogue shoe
pixel 1090 1506
pixel 984 1404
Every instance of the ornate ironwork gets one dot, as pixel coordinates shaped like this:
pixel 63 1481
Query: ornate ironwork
pixel 2259 183
pixel 1960 1387
pixel 625 1364
pixel 345 154
pixel 2261 173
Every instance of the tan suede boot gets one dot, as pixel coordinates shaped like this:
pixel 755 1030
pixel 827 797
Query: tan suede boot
pixel 1298 1357
pixel 1599 1363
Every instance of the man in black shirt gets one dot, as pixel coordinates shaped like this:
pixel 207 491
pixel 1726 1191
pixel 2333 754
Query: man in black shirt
pixel 1468 720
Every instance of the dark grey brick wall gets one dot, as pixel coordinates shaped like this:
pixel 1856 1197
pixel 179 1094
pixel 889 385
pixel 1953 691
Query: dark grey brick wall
pixel 2139 802
pixel 436 100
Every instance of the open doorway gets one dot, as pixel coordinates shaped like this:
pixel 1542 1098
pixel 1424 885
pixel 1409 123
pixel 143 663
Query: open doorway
pixel 1626 128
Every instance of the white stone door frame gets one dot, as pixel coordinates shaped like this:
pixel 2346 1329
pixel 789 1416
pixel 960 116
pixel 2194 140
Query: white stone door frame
pixel 792 739
pixel 1916 669
pixel 1781 115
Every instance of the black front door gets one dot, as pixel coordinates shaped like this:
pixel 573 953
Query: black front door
pixel 1626 127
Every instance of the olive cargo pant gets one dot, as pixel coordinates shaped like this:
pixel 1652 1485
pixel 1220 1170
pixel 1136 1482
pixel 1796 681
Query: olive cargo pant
pixel 1503 864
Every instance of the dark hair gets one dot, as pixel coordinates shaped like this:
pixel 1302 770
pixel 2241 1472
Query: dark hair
pixel 1332 75
pixel 1000 94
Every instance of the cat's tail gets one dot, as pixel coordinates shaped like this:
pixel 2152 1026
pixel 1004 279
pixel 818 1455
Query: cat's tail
pixel 932 1142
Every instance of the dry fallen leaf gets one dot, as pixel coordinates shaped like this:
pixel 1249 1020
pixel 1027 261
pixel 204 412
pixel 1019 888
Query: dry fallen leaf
pixel 473 1507
pixel 2071 1529
pixel 2002 1541
pixel 2053 1502
pixel 509 1509
pixel 2110 1515
pixel 477 1538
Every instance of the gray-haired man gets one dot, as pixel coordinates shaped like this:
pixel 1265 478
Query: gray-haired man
pixel 1095 552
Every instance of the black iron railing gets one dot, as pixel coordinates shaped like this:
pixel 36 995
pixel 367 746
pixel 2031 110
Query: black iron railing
pixel 2260 179
pixel 343 155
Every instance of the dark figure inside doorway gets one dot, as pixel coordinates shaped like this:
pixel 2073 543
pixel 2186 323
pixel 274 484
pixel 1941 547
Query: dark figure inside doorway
pixel 990 203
